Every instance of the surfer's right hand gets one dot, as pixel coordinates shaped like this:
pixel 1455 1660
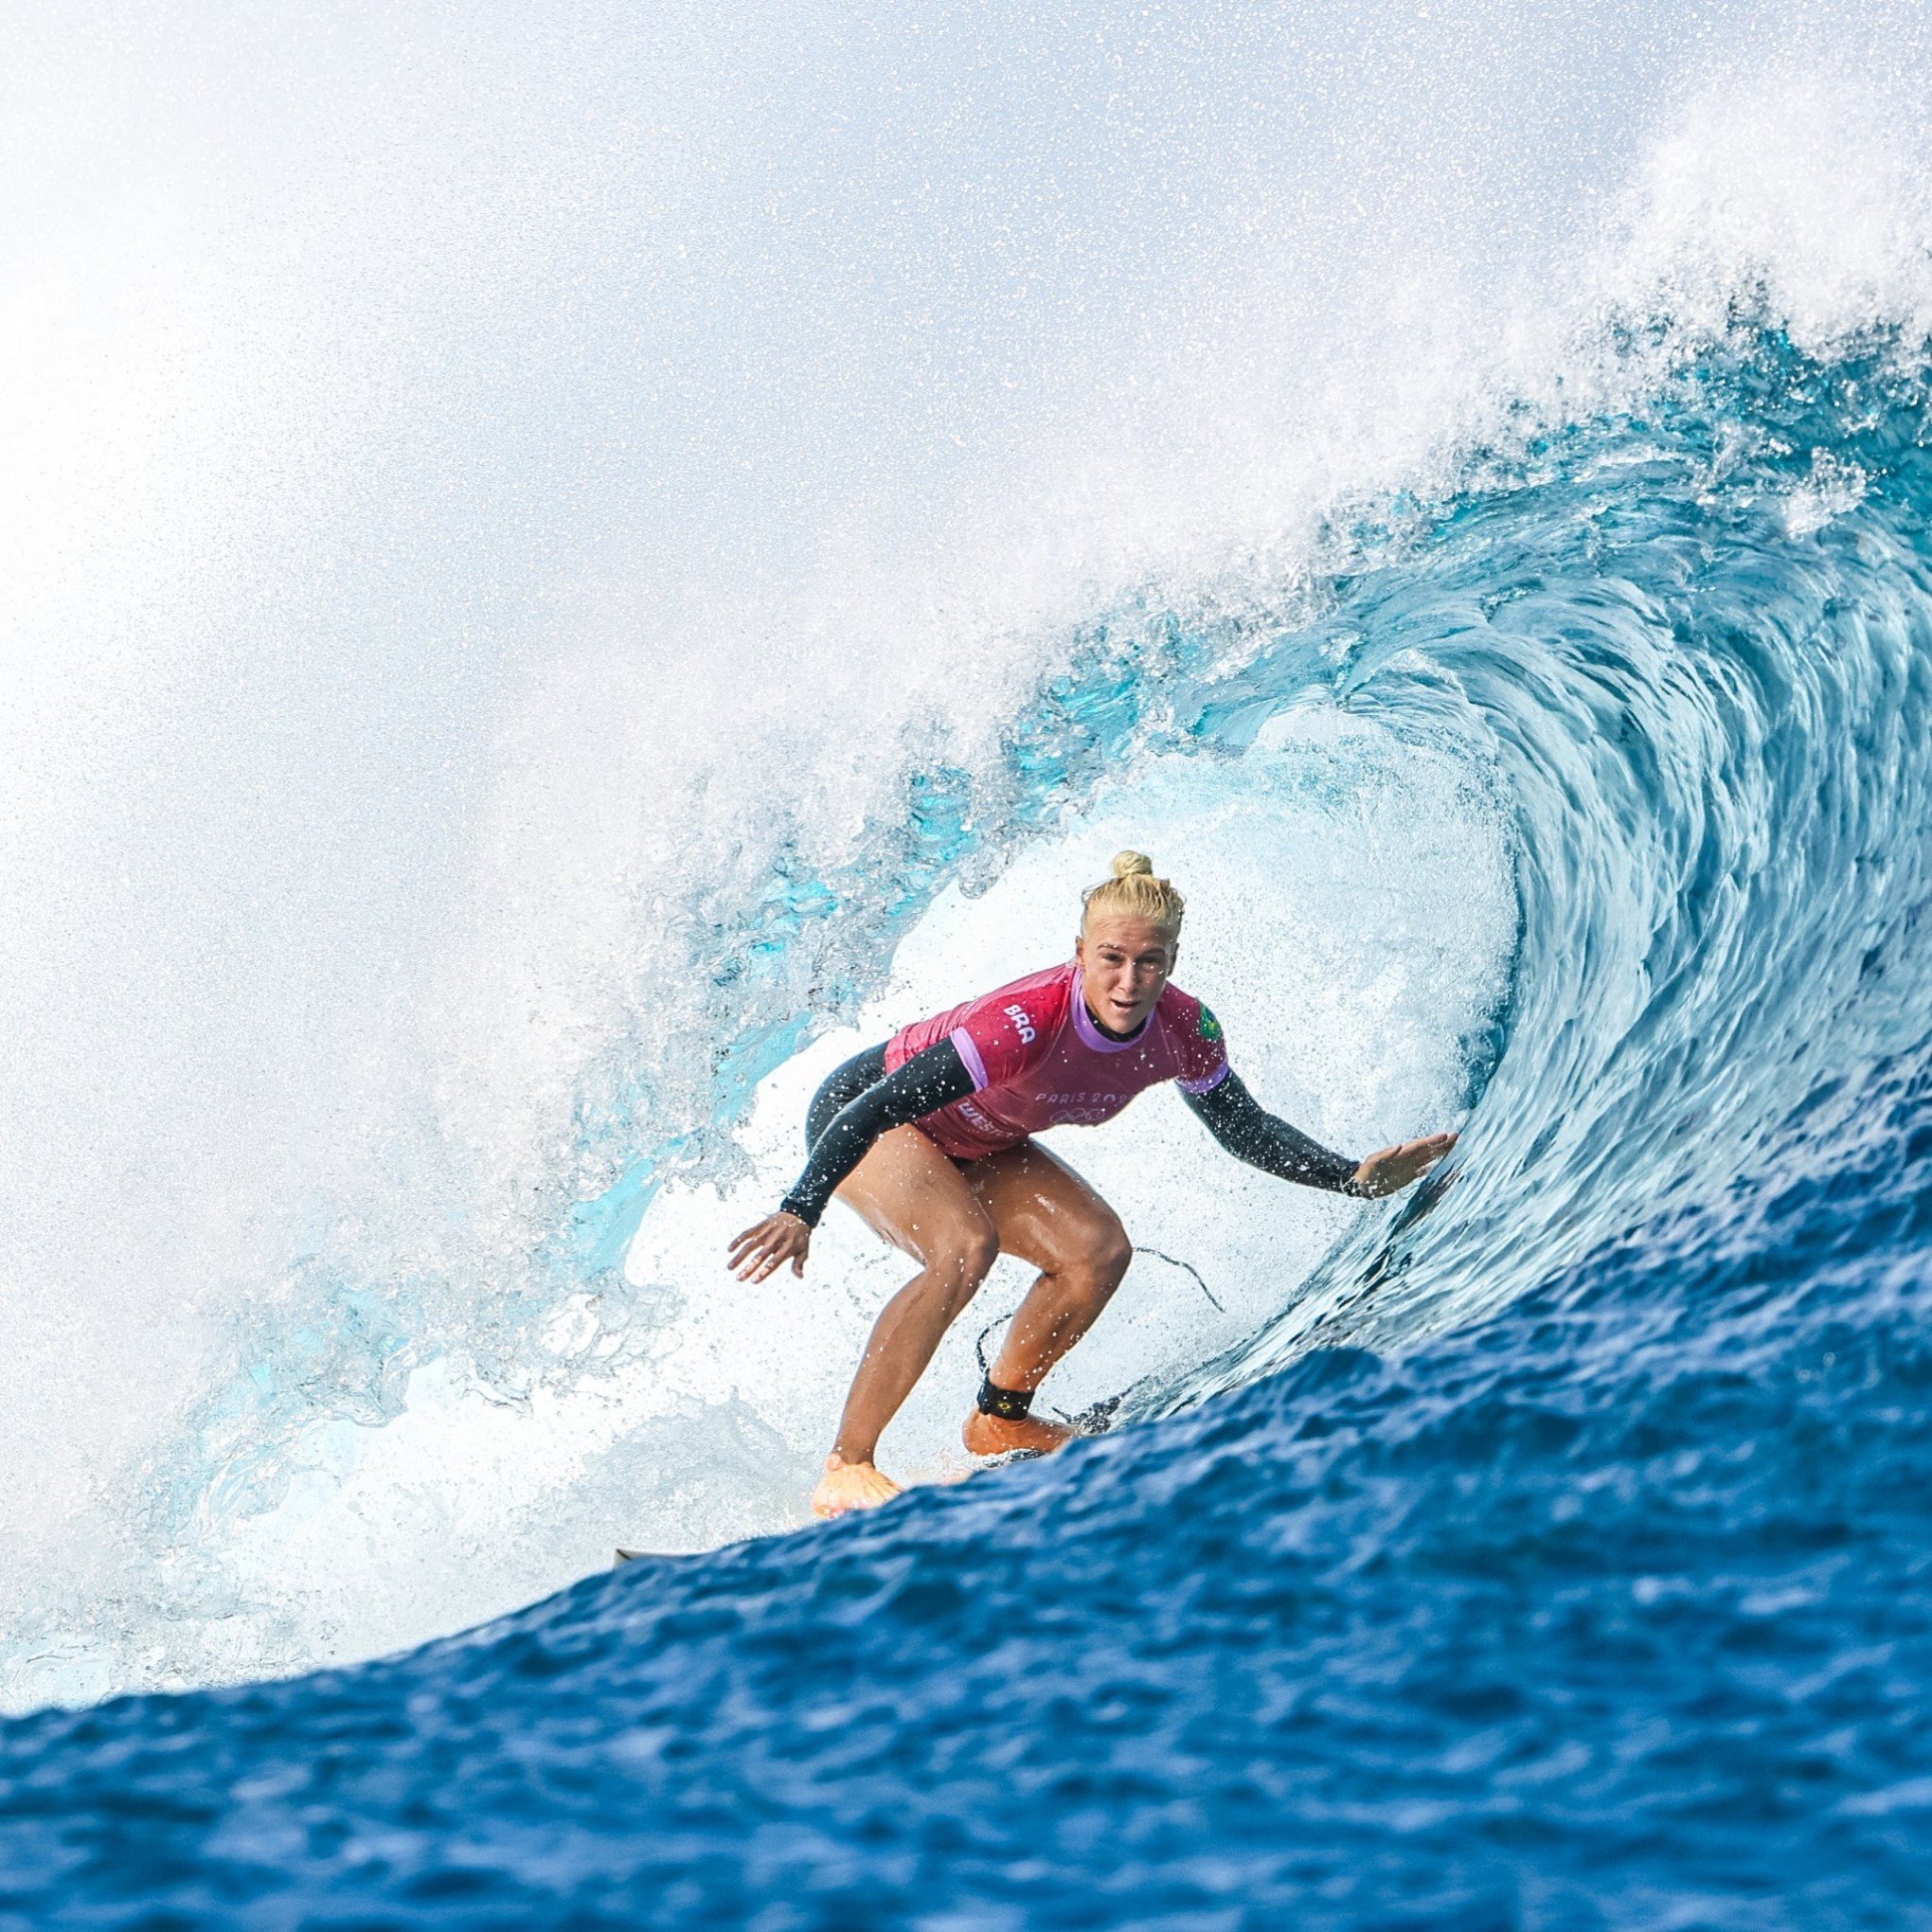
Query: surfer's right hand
pixel 776 1240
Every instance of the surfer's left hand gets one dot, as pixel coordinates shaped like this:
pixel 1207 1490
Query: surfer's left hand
pixel 1394 1168
pixel 775 1240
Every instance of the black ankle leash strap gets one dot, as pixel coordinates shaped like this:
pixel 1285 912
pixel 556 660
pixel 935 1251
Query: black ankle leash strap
pixel 1016 1404
pixel 1008 1405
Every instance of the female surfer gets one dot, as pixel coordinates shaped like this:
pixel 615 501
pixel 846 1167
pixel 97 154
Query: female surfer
pixel 929 1139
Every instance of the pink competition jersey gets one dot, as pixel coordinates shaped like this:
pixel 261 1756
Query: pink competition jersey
pixel 1037 1060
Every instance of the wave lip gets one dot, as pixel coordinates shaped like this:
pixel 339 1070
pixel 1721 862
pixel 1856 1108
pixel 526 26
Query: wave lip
pixel 1692 646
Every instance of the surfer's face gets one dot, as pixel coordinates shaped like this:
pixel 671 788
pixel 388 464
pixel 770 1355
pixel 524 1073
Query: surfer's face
pixel 1124 963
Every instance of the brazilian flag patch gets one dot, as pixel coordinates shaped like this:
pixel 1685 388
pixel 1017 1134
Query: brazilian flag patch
pixel 1210 1027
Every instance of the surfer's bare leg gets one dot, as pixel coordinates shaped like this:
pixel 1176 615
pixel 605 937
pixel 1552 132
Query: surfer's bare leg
pixel 1046 1214
pixel 911 1195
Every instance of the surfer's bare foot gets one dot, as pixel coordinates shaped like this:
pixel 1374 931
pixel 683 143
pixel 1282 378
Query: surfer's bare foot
pixel 851 1486
pixel 987 1435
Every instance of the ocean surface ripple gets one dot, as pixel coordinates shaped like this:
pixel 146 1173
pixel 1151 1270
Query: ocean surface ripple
pixel 1558 1556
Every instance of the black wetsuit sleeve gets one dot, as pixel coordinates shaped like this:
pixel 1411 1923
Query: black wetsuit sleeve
pixel 927 1082
pixel 1250 1133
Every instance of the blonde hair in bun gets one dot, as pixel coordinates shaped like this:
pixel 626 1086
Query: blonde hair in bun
pixel 1135 892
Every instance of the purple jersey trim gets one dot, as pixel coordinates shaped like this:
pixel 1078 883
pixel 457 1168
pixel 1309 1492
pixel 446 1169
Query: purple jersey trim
pixel 969 1053
pixel 1207 1085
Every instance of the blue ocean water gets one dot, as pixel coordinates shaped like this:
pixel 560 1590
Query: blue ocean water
pixel 1557 1556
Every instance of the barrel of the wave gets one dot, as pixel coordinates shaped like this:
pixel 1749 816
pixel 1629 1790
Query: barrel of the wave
pixel 929 1138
